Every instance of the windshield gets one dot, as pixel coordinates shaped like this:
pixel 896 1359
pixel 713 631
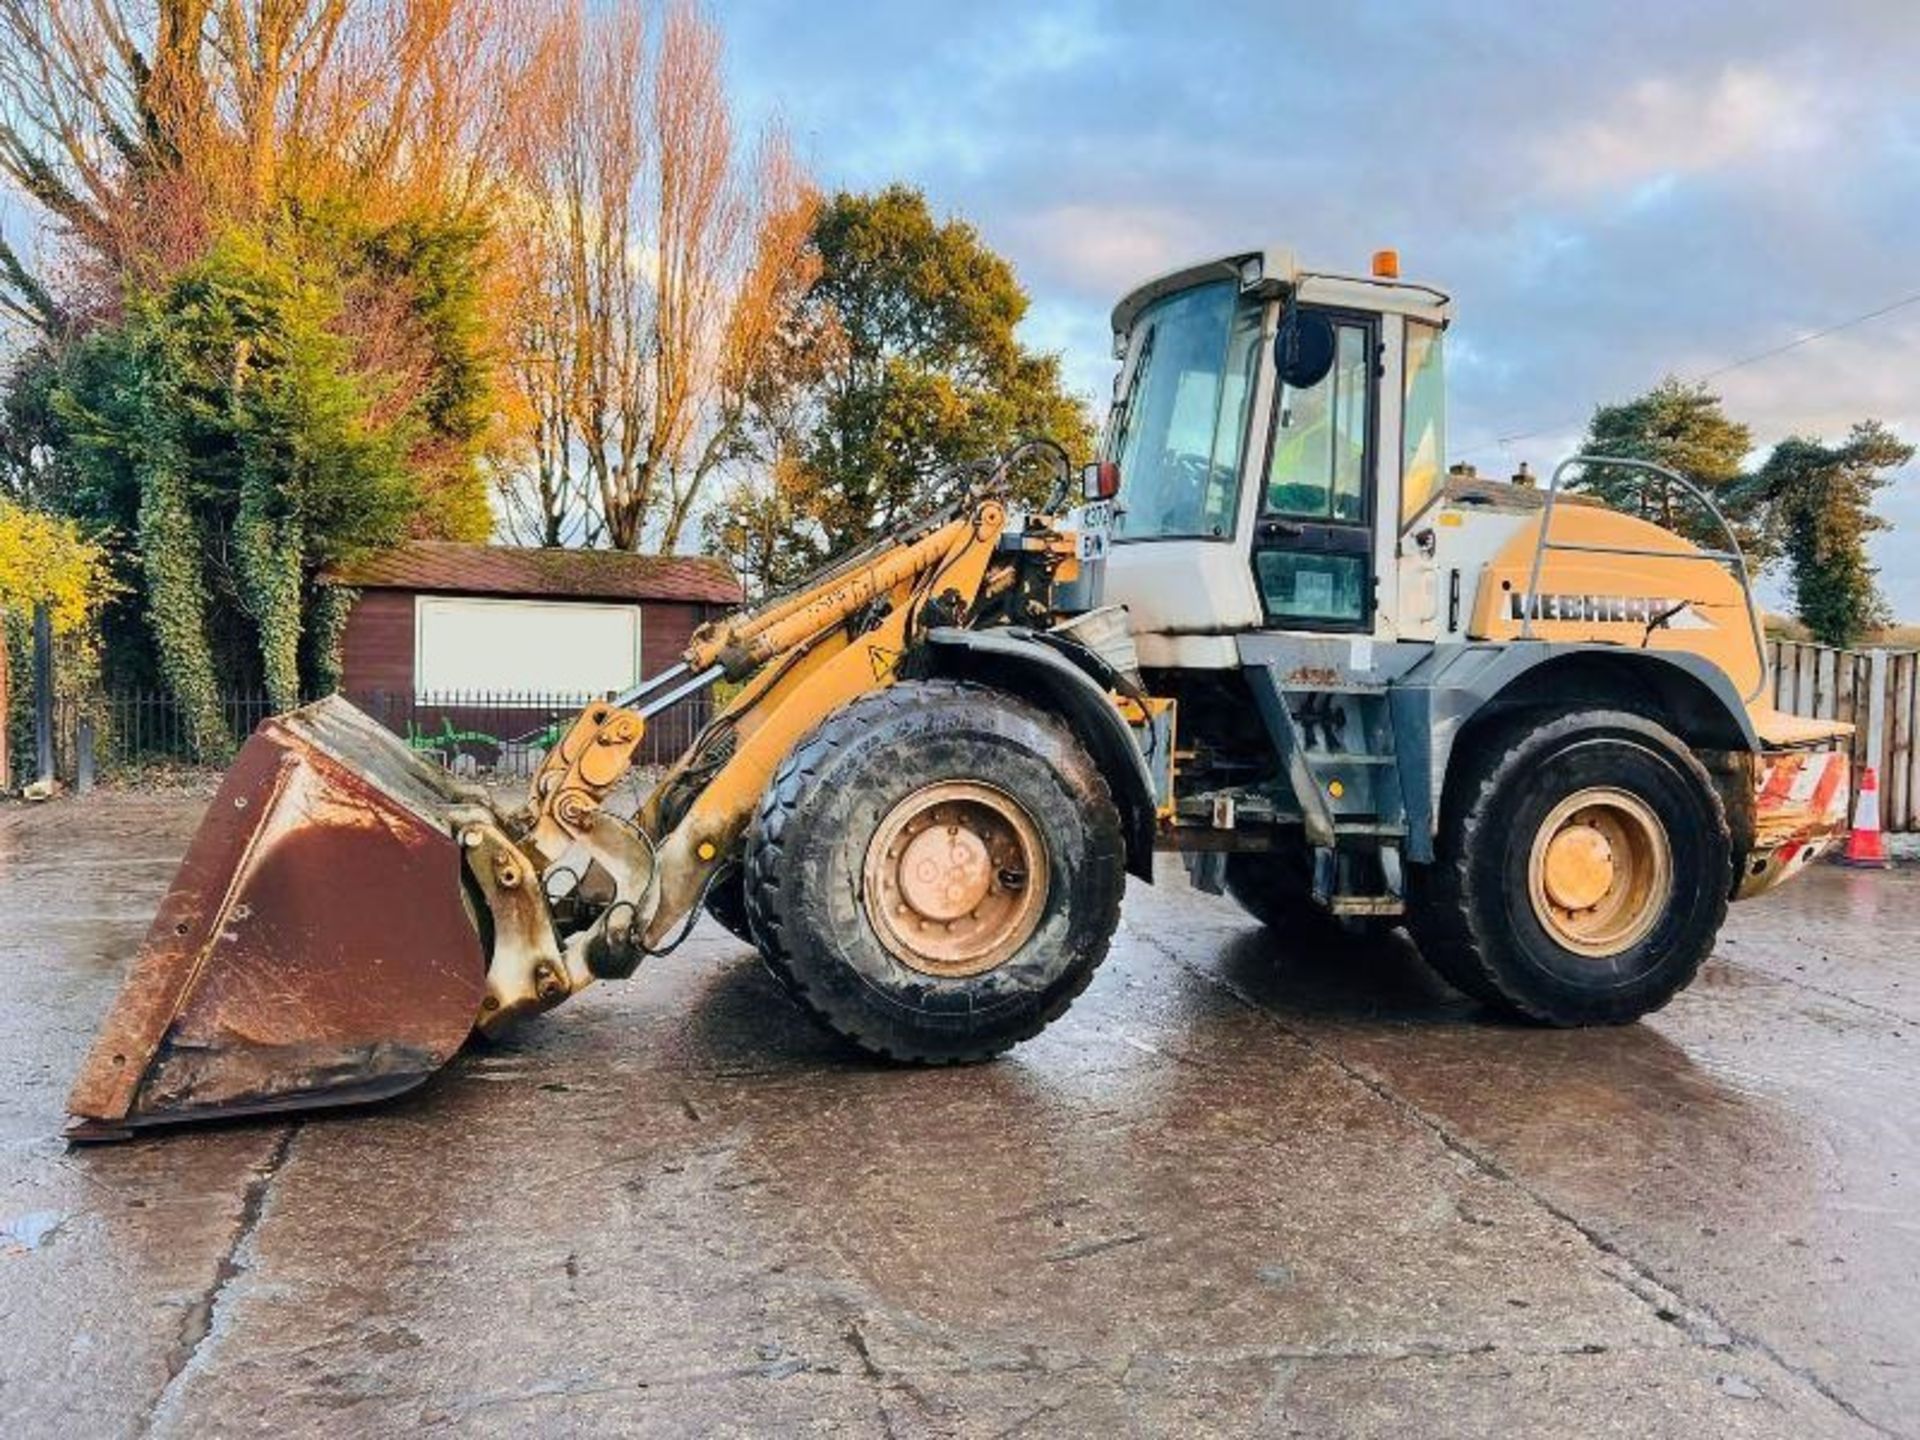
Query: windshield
pixel 1183 421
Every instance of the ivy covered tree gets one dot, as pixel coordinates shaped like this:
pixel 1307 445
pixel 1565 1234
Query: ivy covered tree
pixel 222 429
pixel 1816 502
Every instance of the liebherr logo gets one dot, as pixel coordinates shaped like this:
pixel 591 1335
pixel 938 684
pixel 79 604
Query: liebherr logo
pixel 1643 610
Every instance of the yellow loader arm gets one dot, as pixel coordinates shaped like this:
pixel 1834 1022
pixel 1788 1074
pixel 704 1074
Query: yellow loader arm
pixel 349 912
pixel 802 658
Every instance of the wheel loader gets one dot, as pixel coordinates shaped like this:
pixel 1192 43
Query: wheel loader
pixel 1272 632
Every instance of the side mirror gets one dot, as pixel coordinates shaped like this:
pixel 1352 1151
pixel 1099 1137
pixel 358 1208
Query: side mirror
pixel 1303 350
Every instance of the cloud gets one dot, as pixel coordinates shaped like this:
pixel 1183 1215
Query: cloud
pixel 1107 249
pixel 1611 197
pixel 1665 128
pixel 1045 42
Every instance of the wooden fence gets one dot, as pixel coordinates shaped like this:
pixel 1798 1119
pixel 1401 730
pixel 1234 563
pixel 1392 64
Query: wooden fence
pixel 1876 692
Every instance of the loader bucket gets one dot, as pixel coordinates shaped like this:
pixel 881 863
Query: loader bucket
pixel 316 947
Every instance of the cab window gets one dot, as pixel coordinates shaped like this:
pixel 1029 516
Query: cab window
pixel 1424 434
pixel 1183 425
pixel 1317 467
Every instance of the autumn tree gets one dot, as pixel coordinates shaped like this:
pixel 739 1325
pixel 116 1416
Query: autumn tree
pixel 270 271
pixel 1816 500
pixel 46 560
pixel 660 261
pixel 1679 425
pixel 910 371
pixel 147 132
pixel 141 127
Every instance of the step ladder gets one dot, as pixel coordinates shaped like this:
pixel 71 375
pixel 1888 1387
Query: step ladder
pixel 1345 774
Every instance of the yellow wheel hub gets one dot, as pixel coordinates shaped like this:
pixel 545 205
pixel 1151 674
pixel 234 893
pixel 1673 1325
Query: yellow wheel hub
pixel 956 879
pixel 1580 867
pixel 1601 871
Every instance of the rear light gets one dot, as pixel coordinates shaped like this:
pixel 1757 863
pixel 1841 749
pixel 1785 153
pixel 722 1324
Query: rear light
pixel 1100 481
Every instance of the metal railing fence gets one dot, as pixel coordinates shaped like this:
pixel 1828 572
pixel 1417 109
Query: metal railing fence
pixel 482 734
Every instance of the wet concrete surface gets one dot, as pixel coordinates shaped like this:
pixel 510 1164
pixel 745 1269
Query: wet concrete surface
pixel 1245 1186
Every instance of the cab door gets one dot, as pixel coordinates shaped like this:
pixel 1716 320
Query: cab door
pixel 1312 551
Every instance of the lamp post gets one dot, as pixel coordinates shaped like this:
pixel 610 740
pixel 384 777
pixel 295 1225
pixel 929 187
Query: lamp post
pixel 43 692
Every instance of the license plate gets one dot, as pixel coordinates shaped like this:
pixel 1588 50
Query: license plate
pixel 1093 524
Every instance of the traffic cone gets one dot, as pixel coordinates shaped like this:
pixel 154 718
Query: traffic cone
pixel 1866 846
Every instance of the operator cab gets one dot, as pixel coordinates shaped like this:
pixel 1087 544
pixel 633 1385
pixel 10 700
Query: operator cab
pixel 1248 503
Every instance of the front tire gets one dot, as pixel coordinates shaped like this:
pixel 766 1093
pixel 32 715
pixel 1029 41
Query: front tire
pixel 936 872
pixel 727 904
pixel 1583 874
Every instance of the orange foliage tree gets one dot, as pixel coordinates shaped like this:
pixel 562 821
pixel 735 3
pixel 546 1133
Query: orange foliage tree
pixel 142 127
pixel 272 279
pixel 659 263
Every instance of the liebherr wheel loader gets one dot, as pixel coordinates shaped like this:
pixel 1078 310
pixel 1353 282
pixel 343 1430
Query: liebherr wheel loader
pixel 1275 635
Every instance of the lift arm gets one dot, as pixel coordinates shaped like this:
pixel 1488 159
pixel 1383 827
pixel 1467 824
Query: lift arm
pixel 801 657
pixel 349 912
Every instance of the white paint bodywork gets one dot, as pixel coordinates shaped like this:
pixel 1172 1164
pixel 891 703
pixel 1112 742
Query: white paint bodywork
pixel 1178 592
pixel 1187 597
pixel 1464 539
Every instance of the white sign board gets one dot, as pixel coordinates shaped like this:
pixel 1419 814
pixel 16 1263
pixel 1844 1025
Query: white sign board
pixel 539 646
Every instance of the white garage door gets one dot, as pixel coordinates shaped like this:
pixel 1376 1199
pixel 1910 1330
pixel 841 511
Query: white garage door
pixel 540 646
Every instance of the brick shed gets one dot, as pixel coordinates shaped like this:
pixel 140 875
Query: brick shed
pixel 437 618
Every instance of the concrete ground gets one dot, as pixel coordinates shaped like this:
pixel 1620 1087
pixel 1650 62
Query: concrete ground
pixel 1242 1187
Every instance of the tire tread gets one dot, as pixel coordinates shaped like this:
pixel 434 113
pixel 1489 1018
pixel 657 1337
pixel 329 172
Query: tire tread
pixel 1450 931
pixel 769 906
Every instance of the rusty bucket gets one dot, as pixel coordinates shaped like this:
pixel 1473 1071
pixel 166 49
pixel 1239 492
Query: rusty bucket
pixel 316 948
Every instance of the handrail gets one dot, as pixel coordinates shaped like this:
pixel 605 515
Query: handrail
pixel 1731 556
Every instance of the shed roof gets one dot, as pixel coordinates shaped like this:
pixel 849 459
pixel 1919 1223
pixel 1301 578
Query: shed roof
pixel 449 567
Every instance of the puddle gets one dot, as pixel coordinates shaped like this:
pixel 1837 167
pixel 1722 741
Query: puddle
pixel 29 1231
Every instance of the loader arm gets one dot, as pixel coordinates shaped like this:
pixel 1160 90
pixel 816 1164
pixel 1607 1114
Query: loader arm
pixel 801 658
pixel 349 913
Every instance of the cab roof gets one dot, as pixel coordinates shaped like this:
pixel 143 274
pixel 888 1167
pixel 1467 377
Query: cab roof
pixel 1274 270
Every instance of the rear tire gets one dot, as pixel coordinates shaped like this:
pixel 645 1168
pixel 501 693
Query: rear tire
pixel 995 805
pixel 1583 873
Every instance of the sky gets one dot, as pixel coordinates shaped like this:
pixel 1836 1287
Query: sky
pixel 1611 191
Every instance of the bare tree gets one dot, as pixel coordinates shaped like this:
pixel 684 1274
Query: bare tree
pixel 139 125
pixel 659 262
pixel 543 495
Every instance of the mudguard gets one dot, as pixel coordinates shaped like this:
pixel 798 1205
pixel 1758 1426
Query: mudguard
pixel 1014 659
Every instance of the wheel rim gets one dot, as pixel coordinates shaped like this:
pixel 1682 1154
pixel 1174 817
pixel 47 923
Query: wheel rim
pixel 1601 871
pixel 956 879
